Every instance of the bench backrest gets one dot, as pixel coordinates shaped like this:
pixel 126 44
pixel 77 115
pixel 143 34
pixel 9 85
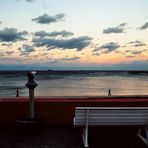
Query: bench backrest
pixel 111 116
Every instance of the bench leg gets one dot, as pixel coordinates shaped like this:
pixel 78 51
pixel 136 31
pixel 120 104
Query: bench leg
pixel 85 137
pixel 143 134
pixel 85 130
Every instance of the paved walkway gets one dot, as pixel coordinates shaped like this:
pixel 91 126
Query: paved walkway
pixel 68 137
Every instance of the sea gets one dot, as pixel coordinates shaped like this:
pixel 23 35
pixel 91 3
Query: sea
pixel 75 83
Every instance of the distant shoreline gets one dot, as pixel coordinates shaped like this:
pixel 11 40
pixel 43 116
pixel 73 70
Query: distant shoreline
pixel 78 97
pixel 75 71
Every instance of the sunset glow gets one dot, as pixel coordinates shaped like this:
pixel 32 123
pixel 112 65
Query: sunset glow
pixel 80 34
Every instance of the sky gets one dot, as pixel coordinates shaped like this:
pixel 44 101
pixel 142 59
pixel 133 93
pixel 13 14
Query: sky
pixel 74 34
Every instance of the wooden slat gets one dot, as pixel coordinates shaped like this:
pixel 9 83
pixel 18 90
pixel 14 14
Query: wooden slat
pixel 112 116
pixel 112 108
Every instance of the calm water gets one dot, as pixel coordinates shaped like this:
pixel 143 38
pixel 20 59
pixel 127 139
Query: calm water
pixel 76 83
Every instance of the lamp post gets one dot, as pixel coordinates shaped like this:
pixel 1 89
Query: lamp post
pixel 31 84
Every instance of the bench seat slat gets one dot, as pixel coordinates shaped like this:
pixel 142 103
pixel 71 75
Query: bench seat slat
pixel 111 111
pixel 112 108
pixel 111 116
pixel 132 121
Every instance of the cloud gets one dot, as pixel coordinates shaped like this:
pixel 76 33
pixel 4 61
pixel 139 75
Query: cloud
pixel 53 34
pixel 133 65
pixel 122 24
pixel 6 44
pixel 11 35
pixel 137 43
pixel 8 60
pixel 96 54
pixel 118 29
pixel 139 65
pixel 51 62
pixel 73 43
pixel 109 47
pixel 133 53
pixel 1 54
pixel 46 19
pixel 144 26
pixel 9 52
pixel 26 49
pixel 27 0
pixel 0 22
pixel 136 52
pixel 145 50
pixel 70 58
pixel 127 51
pixel 130 56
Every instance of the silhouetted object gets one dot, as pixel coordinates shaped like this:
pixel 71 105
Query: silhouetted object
pixel 31 84
pixel 109 92
pixel 17 92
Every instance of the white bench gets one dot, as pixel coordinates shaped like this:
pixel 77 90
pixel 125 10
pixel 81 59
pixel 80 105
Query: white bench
pixel 112 116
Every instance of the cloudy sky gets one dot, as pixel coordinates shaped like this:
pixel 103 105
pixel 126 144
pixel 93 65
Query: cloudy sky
pixel 74 34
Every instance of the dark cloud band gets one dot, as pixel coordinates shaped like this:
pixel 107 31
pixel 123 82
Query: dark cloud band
pixel 73 43
pixel 137 43
pixel 46 19
pixel 53 34
pixel 70 58
pixel 136 52
pixel 144 26
pixel 107 48
pixel 12 35
pixel 26 49
pixel 118 29
pixel 27 0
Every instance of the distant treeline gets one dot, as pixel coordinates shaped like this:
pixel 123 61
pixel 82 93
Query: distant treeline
pixel 138 72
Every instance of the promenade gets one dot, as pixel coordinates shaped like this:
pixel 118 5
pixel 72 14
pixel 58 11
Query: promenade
pixel 68 137
pixel 56 130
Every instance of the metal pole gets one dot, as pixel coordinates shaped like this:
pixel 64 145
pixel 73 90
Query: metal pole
pixel 31 84
pixel 31 103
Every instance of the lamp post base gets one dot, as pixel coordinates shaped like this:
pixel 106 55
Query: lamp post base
pixel 29 125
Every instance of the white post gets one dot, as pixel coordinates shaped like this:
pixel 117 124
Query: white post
pixel 85 130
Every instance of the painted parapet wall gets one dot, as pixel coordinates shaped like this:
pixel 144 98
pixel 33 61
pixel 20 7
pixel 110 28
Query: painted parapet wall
pixel 58 111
